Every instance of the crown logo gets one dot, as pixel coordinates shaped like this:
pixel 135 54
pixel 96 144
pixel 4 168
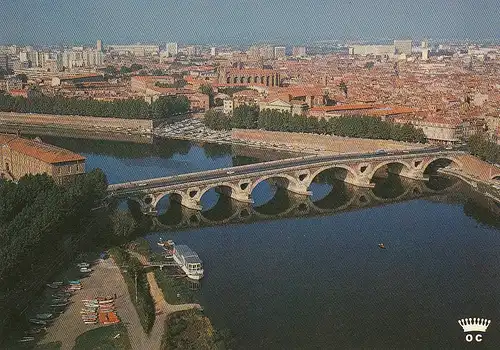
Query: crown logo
pixel 474 324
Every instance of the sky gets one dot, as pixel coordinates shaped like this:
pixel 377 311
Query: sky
pixel 38 22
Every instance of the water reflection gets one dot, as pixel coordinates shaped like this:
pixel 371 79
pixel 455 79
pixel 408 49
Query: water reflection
pixel 342 197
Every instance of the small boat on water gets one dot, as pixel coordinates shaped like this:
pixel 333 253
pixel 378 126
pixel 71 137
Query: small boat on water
pixel 188 261
pixel 83 264
pixel 85 269
pixel 168 243
pixel 44 316
pixel 60 300
pixel 53 286
pixel 26 339
pixel 36 330
pixel 75 281
pixel 381 245
pixel 60 304
pixel 35 321
pixel 61 295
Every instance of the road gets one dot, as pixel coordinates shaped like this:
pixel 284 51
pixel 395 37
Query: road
pixel 243 170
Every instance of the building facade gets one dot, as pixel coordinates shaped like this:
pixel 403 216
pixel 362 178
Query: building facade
pixel 403 46
pixel 237 76
pixel 20 157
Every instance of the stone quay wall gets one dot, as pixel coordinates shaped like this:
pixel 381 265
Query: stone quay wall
pixel 141 126
pixel 321 143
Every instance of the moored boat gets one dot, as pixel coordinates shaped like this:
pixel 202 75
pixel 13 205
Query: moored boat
pixel 85 269
pixel 188 261
pixel 26 339
pixel 36 321
pixel 45 316
pixel 83 264
pixel 59 304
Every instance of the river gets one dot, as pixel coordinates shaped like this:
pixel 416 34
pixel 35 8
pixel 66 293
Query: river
pixel 291 272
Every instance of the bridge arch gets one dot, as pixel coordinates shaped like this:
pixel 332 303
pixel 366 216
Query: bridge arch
pixel 282 180
pixel 399 167
pixel 341 172
pixel 173 195
pixel 441 162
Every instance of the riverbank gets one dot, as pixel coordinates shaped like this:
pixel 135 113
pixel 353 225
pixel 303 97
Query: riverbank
pixel 193 129
pixel 75 122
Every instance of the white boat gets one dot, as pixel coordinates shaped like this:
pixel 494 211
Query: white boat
pixel 85 269
pixel 188 261
pixel 82 264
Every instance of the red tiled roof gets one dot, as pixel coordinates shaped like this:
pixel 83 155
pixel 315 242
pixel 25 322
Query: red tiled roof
pixel 39 150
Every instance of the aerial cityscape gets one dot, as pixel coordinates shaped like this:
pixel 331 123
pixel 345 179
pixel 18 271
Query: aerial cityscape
pixel 229 179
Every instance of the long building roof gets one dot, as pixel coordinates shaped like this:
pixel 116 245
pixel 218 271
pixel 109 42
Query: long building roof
pixel 37 149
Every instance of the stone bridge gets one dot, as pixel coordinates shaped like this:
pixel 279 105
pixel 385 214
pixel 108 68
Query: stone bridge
pixel 299 206
pixel 295 175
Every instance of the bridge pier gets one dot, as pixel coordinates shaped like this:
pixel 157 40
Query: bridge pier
pixel 291 186
pixel 360 181
pixel 415 174
pixel 240 196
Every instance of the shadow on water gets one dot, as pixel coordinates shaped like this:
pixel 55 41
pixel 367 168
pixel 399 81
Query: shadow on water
pixel 277 205
pixel 339 195
pixel 440 182
pixel 389 187
pixel 222 210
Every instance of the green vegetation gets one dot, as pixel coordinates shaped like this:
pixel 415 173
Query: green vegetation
pixel 4 72
pixel 248 117
pixel 132 108
pixel 180 83
pixel 482 147
pixel 245 117
pixel 208 90
pixel 131 269
pixel 343 88
pixel 190 330
pixel 217 120
pixel 104 338
pixel 171 286
pixel 167 106
pixel 42 225
pixel 369 65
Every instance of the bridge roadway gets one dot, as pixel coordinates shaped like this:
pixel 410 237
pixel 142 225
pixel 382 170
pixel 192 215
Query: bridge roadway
pixel 295 174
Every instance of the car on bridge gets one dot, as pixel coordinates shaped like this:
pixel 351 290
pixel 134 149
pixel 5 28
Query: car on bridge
pixel 380 151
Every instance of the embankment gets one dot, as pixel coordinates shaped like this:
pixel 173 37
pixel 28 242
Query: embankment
pixel 320 143
pixel 77 134
pixel 74 122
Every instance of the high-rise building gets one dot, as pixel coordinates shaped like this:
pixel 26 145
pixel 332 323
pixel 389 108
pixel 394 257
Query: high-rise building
pixel 266 52
pixel 4 61
pixel 171 49
pixel 213 51
pixel 425 45
pixel 403 46
pixel 191 51
pixel 99 45
pixel 279 52
pixel 425 54
pixel 299 51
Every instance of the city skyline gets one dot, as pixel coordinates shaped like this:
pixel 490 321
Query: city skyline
pixel 44 22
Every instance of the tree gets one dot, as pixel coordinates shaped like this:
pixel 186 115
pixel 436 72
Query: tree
pixel 135 67
pixel 217 120
pixel 207 90
pixel 123 224
pixel 111 70
pixel 23 77
pixel 245 117
pixel 343 88
pixel 369 65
